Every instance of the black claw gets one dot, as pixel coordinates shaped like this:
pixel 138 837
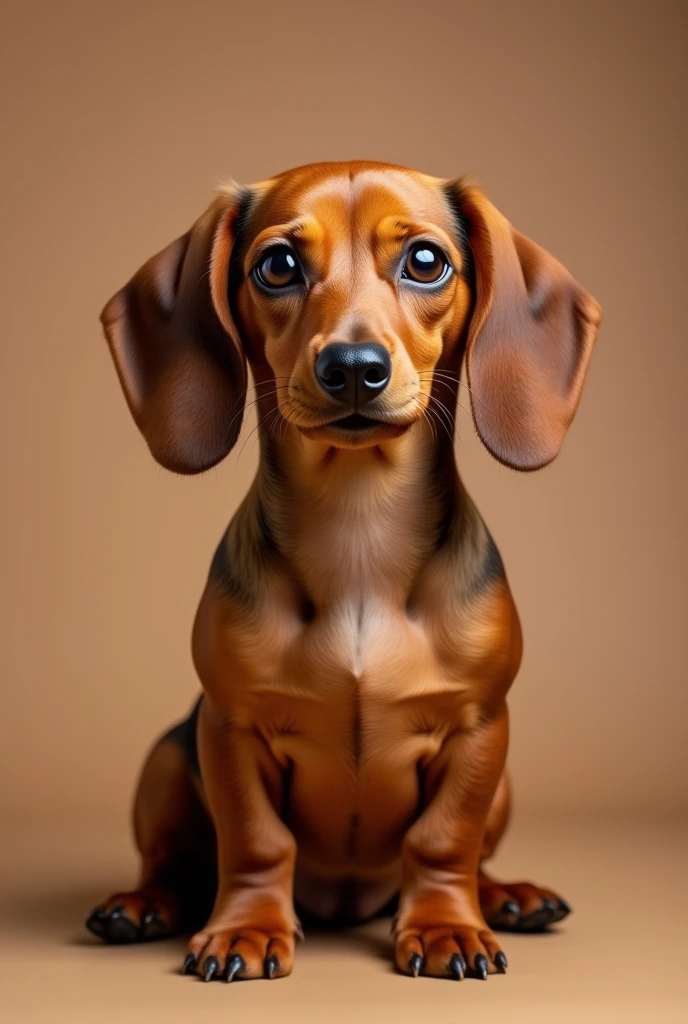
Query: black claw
pixel 480 965
pixel 511 907
pixel 549 906
pixel 118 927
pixel 96 922
pixel 415 963
pixel 271 965
pixel 211 967
pixel 564 907
pixel 501 961
pixel 189 964
pixel 152 926
pixel 235 965
pixel 457 966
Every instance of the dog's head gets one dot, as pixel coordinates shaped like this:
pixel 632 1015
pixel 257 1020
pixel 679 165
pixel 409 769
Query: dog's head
pixel 348 287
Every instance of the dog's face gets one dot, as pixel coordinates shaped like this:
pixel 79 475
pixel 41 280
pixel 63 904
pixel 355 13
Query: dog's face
pixel 347 286
pixel 351 289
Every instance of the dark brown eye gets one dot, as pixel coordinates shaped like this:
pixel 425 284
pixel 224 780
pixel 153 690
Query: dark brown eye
pixel 425 264
pixel 278 268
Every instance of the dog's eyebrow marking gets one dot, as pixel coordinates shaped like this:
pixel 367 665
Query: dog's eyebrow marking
pixel 394 229
pixel 305 229
pixel 391 233
pixel 306 232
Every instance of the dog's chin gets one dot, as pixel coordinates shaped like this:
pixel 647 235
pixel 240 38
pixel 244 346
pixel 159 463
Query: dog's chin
pixel 356 431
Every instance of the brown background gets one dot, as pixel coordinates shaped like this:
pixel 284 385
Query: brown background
pixel 118 120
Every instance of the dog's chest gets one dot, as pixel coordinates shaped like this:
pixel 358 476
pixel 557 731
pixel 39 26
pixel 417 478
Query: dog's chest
pixel 362 650
pixel 361 700
pixel 363 684
pixel 355 692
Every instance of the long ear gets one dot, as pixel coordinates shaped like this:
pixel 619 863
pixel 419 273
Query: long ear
pixel 176 349
pixel 529 340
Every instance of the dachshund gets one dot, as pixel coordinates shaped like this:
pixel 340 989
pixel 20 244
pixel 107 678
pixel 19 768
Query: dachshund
pixel 356 638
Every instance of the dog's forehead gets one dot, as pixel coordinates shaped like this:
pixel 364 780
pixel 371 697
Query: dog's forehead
pixel 352 197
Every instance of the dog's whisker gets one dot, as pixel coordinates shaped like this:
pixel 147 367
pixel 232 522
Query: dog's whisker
pixel 442 408
pixel 450 376
pixel 442 383
pixel 440 420
pixel 276 419
pixel 268 383
pixel 433 398
pixel 430 423
pixel 257 426
pixel 248 405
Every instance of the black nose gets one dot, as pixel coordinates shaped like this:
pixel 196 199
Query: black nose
pixel 353 373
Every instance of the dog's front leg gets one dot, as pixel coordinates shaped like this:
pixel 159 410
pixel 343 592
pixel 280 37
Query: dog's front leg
pixel 439 929
pixel 252 928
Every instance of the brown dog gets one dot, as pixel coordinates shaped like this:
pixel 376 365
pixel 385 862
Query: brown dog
pixel 356 639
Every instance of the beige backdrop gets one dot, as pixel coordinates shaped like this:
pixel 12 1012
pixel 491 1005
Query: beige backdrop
pixel 119 119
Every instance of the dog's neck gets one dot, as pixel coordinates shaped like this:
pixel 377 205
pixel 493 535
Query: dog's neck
pixel 355 521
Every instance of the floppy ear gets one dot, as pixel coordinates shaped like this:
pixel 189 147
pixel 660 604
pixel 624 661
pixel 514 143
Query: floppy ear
pixel 177 352
pixel 529 340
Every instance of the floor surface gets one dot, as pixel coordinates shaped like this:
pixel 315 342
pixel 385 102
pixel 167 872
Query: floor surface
pixel 622 956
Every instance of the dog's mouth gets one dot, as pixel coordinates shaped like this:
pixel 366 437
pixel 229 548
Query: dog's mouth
pixel 356 421
pixel 356 429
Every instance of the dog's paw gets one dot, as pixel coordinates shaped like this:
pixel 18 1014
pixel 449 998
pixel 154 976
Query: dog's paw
pixel 240 954
pixel 449 951
pixel 138 916
pixel 520 906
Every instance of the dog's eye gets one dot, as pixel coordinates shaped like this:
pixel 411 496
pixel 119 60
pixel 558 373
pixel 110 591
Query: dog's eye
pixel 278 268
pixel 425 264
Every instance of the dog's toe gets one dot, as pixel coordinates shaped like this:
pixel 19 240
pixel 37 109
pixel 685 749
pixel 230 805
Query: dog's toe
pixel 138 916
pixel 520 906
pixel 119 928
pixel 96 922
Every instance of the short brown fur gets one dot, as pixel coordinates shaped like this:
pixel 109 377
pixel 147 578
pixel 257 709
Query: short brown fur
pixel 357 638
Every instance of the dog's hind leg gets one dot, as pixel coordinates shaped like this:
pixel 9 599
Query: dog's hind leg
pixel 513 906
pixel 175 840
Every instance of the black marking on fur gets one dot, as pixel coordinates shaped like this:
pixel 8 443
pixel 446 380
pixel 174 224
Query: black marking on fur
pixel 420 775
pixel 184 733
pixel 447 489
pixel 235 273
pixel 453 192
pixel 307 610
pixel 491 569
pixel 285 811
pixel 446 495
pixel 271 464
pixel 493 566
pixel 265 529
